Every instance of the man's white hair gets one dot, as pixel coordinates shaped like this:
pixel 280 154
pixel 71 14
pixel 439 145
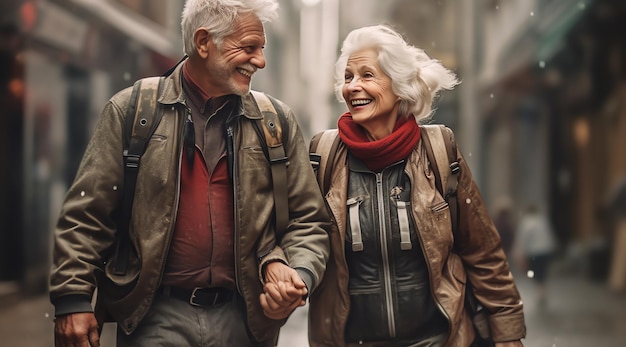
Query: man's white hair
pixel 219 17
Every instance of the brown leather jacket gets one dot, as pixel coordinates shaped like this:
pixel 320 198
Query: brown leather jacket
pixel 480 259
pixel 86 228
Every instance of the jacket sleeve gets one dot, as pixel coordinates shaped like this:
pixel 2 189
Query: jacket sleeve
pixel 478 244
pixel 85 229
pixel 305 242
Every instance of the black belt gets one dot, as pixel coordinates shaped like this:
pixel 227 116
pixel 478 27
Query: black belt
pixel 199 296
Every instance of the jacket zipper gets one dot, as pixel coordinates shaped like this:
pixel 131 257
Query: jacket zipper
pixel 232 165
pixel 391 324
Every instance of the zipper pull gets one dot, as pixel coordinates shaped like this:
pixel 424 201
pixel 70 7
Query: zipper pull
pixel 230 151
pixel 189 140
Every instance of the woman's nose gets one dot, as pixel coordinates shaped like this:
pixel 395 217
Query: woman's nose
pixel 354 84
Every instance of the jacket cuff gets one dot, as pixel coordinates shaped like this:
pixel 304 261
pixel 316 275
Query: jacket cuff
pixel 507 328
pixel 74 303
pixel 307 278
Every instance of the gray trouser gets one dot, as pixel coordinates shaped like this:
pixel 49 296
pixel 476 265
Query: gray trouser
pixel 173 322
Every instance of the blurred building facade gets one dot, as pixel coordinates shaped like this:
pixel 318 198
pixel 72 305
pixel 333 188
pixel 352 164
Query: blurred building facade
pixel 551 89
pixel 539 114
pixel 60 61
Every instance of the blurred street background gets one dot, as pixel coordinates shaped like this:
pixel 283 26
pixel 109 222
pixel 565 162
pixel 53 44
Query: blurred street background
pixel 540 116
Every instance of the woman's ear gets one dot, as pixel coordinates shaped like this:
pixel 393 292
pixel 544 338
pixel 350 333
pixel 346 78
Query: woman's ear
pixel 202 39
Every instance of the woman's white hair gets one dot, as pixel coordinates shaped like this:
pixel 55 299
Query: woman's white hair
pixel 415 77
pixel 219 17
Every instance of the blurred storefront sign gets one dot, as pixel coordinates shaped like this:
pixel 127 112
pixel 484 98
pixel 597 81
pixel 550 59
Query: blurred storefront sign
pixel 544 36
pixel 558 22
pixel 57 26
pixel 134 25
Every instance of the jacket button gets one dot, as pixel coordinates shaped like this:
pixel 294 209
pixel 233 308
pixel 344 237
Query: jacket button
pixel 130 325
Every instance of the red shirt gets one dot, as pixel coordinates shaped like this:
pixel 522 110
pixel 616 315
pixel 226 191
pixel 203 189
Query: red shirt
pixel 202 250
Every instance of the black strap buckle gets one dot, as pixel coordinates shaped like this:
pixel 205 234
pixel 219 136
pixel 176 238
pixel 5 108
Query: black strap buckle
pixel 131 160
pixel 455 167
pixel 278 160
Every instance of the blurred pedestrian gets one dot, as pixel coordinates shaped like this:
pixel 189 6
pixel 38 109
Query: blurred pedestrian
pixel 202 227
pixel 617 207
pixel 505 224
pixel 397 274
pixel 534 248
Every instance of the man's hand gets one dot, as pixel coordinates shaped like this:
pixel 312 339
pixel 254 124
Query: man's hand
pixel 283 292
pixel 76 330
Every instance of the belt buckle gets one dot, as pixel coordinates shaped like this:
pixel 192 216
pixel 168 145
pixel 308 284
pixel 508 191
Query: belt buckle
pixel 193 297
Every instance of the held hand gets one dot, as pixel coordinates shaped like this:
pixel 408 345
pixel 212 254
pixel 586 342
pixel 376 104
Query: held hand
pixel 284 291
pixel 294 286
pixel 517 343
pixel 277 303
pixel 279 272
pixel 76 330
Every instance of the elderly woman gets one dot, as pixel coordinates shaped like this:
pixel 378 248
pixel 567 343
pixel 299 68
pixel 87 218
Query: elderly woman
pixel 376 292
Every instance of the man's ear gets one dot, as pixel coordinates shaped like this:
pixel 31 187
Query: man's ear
pixel 202 39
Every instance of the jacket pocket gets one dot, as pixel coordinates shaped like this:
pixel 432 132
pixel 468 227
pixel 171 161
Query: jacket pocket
pixel 417 314
pixel 367 319
pixel 455 264
pixel 439 207
pixel 132 272
pixel 265 249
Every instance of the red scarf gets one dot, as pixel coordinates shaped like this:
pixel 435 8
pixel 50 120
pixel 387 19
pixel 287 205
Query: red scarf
pixel 379 154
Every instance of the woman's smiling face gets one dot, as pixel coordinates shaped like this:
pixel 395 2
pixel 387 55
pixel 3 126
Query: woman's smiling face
pixel 368 93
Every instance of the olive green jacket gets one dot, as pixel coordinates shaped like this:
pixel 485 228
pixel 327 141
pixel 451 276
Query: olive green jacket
pixel 86 229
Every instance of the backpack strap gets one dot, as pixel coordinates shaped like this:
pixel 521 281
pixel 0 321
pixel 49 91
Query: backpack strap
pixel 322 151
pixel 272 131
pixel 441 152
pixel 142 118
